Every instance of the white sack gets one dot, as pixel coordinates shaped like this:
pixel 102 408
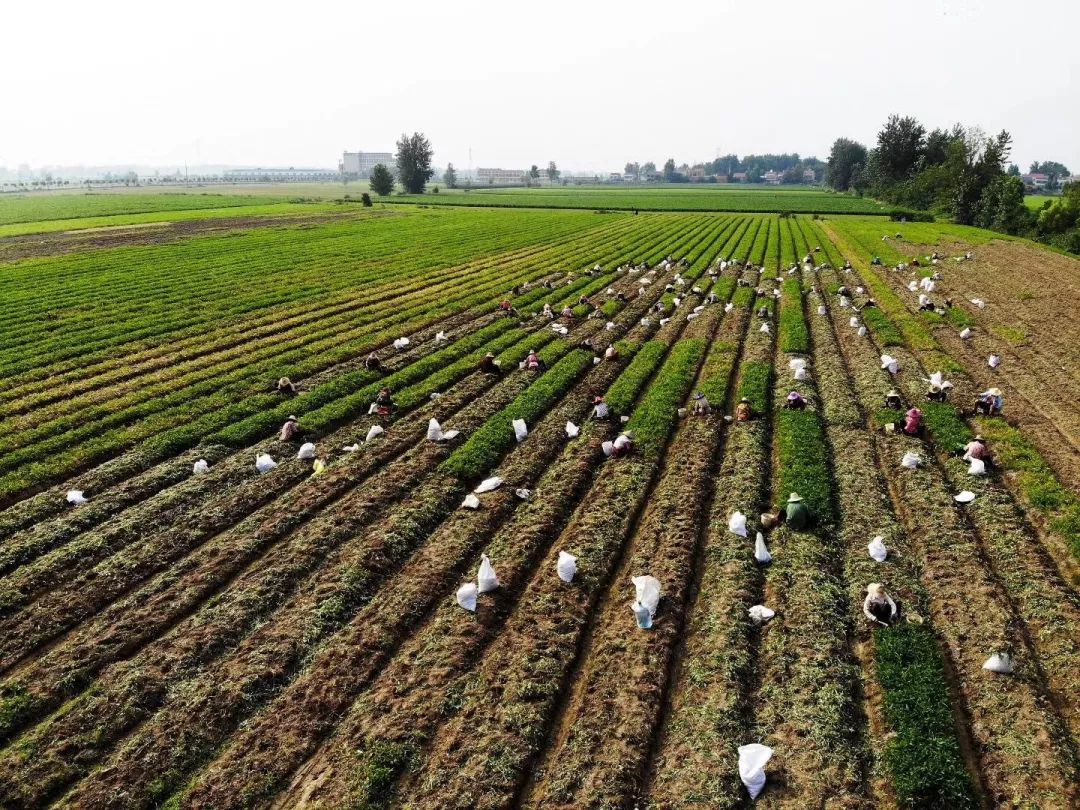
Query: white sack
pixel 913 285
pixel 877 549
pixel 737 523
pixel 853 322
pixel 760 614
pixel 263 463
pixel 977 467
pixel 965 333
pixel 967 496
pixel 795 363
pixel 802 374
pixel 862 331
pixel 488 484
pixel 485 577
pixel 979 303
pixel 523 493
pixel 200 467
pixel 566 567
pixel 993 361
pixel 466 596
pixel 609 325
pixel 401 343
pixel 596 361
pixel 764 328
pixel 648 592
pixel 440 337
pixel 520 430
pixel 351 448
pixel 471 502
pixel 664 321
pixel 698 309
pixel 821 310
pixel 607 447
pixel 752 761
pixel 75 497
pixel 911 460
pixel 728 306
pixel 1000 663
pixel 691 316
pixel 572 430
pixel 642 614
pixel 373 431
pixel 761 551
pixel 306 451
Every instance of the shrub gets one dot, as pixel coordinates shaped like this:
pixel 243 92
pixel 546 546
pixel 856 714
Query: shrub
pixel 365 198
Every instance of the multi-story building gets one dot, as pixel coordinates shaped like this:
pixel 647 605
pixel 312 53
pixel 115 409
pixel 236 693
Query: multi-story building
pixel 500 177
pixel 277 175
pixel 358 165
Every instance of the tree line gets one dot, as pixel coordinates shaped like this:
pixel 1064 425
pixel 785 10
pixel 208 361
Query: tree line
pixel 961 173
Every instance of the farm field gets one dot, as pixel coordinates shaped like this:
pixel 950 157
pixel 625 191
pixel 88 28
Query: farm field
pixel 235 638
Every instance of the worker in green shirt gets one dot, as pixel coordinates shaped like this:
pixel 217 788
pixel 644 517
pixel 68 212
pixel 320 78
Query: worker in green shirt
pixel 795 513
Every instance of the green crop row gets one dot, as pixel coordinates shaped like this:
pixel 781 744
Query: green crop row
pixel 794 336
pixel 658 411
pixel 803 461
pixel 623 392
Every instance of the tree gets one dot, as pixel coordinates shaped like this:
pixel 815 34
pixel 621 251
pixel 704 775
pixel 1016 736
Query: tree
pixel 382 181
pixel 1001 206
pixel 669 170
pixel 1014 170
pixel 900 145
pixel 534 172
pixel 846 161
pixel 414 162
pixel 450 176
pixel 552 171
pixel 649 168
pixel 633 169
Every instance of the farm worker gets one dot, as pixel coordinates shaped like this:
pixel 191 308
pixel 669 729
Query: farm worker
pixel 488 365
pixel 372 362
pixel 893 401
pixel 795 513
pixel 990 402
pixel 876 261
pixel 743 411
pixel 384 403
pixel 701 405
pixel 713 298
pixel 549 312
pixel 611 353
pixel 912 422
pixel 936 394
pixel 508 309
pixel 291 429
pixel 976 449
pixel 600 409
pixel 795 402
pixel 533 362
pixel 286 386
pixel 844 292
pixel 584 301
pixel 568 313
pixel 623 445
pixel 763 312
pixel 878 606
pixel 870 303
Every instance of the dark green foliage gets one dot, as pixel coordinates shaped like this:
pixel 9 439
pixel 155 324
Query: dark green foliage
pixel 656 415
pixel 413 158
pixel 365 198
pixel 794 335
pixel 755 382
pixel 803 461
pixel 382 181
pixel 623 392
pixel 947 429
pixel 884 330
pixel 924 757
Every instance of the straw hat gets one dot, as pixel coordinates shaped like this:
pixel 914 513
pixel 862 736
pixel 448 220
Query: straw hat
pixel 979 437
pixel 994 392
pixel 794 497
pixel 292 419
pixel 876 589
pixel 935 389
pixel 893 393
pixel 490 355
pixel 745 399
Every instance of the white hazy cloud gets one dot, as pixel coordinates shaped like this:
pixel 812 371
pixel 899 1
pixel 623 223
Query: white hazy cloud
pixel 587 84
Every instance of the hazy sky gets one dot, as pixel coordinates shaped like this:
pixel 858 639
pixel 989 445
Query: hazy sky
pixel 587 84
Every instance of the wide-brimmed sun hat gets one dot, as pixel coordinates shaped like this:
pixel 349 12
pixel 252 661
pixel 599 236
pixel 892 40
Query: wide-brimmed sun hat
pixel 794 395
pixel 292 419
pixel 979 438
pixel 490 355
pixel 794 497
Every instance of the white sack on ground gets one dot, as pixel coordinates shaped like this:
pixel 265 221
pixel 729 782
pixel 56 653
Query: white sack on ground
pixel 761 551
pixel 911 460
pixel 737 523
pixel 466 596
pixel 572 430
pixel 351 448
pixel 664 321
pixel 435 433
pixel 648 592
pixel 853 322
pixel 913 285
pixel 566 566
pixel 607 446
pixel 979 303
pixel 609 325
pixel 964 497
pixel 802 374
pixel 1000 663
pixel 821 309
pixel 862 331
pixel 263 463
pixel 488 484
pixel 965 333
pixel 520 429
pixel 306 451
pixel 760 614
pixel 440 337
pixel 401 343
pixel 993 361
pixel 471 502
pixel 523 493
pixel 764 328
pixel 200 467
pixel 375 430
pixel 485 577
pixel 752 761
pixel 728 306
pixel 877 549
pixel 75 497
pixel 977 467
pixel 795 363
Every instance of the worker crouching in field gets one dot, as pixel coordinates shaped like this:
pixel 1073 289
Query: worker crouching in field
pixel 290 430
pixel 285 386
pixel 977 449
pixel 744 411
pixel 878 606
pixel 795 513
pixel 622 446
pixel 534 363
pixel 600 409
pixel 611 353
pixel 384 403
pixel 990 402
pixel 701 405
pixel 489 366
pixel 372 363
pixel 795 402
pixel 893 401
pixel 937 394
pixel 911 424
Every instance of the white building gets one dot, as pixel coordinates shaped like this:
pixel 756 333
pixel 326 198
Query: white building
pixel 500 177
pixel 279 175
pixel 359 164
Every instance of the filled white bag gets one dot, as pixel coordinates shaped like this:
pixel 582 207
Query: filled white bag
pixel 609 325
pixel 200 467
pixel 488 484
pixel 75 497
pixel 572 430
pixel 923 299
pixel 913 285
pixel 520 430
pixel 306 451
pixel 977 467
pixel 372 409
pixel 764 328
pixel 993 360
pixel 862 331
pixel 821 309
pixel 752 761
pixel 596 361
pixel 523 493
pixel 466 596
pixel 435 433
pixel 566 566
pixel 728 306
pixel 877 549
pixel 979 303
pixel 911 460
pixel 1000 663
pixel 760 614
pixel 645 322
pixel 607 447
pixel 642 614
pixel 698 309
pixel 485 577
pixel 965 333
pixel 664 321
pixel 263 463
pixel 966 496
pixel 351 448
pixel 853 322
pixel 737 523
pixel 795 363
pixel 401 343
pixel 891 363
pixel 373 431
pixel 859 290
pixel 761 551
pixel 471 502
pixel 845 302
pixel 691 316
pixel 440 337
pixel 802 374
pixel 648 592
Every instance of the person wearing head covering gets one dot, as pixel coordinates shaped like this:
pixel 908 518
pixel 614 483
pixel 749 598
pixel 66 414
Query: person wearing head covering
pixel 611 353
pixel 384 403
pixel 549 312
pixel 568 313
pixel 508 309
pixel 893 401
pixel 291 429
pixel 977 449
pixel 878 606
pixel 990 402
pixel 912 422
pixel 744 412
pixel 701 405
pixel 533 362
pixel 285 386
pixel 600 409
pixel 488 364
pixel 372 363
pixel 763 312
pixel 936 393
pixel 623 445
pixel 795 402
pixel 870 304
pixel 795 513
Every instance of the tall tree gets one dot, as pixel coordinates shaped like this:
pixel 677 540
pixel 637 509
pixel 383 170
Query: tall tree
pixel 552 171
pixel 633 169
pixel 450 176
pixel 1057 172
pixel 382 181
pixel 534 172
pixel 900 144
pixel 1014 170
pixel 414 162
pixel 846 160
pixel 648 168
pixel 669 170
